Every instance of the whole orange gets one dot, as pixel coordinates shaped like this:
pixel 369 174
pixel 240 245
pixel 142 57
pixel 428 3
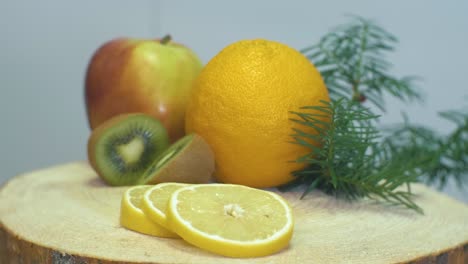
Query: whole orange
pixel 240 104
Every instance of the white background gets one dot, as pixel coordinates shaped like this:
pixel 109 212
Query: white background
pixel 45 47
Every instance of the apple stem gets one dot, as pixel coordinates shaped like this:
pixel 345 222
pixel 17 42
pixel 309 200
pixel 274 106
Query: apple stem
pixel 166 39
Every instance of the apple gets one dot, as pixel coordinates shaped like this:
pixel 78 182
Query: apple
pixel 152 76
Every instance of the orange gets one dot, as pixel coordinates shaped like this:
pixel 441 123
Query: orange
pixel 240 104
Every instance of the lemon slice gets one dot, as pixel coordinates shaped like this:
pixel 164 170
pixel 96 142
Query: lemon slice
pixel 133 218
pixel 155 200
pixel 231 220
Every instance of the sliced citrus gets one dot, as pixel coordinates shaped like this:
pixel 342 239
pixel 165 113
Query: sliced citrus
pixel 133 218
pixel 155 200
pixel 231 220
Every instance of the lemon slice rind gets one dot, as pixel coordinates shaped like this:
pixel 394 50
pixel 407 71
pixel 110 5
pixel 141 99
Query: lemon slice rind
pixel 133 218
pixel 156 214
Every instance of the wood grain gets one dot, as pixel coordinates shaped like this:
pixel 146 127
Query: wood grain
pixel 65 214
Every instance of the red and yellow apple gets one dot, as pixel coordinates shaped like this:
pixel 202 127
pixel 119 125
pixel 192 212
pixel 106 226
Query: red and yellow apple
pixel 128 75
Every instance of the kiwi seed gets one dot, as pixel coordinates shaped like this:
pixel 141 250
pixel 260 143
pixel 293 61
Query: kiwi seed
pixel 188 160
pixel 123 147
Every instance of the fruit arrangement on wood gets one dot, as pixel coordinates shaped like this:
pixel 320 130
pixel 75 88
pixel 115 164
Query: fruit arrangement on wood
pixel 265 152
pixel 189 138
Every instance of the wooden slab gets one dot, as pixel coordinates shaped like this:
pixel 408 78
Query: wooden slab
pixel 65 214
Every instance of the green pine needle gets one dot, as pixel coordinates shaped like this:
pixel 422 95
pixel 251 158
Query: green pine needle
pixel 343 158
pixel 352 62
pixel 436 157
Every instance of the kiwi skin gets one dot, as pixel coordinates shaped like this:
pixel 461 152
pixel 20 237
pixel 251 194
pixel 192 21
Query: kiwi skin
pixel 106 127
pixel 193 163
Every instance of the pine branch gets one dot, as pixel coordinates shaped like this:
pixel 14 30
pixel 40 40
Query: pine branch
pixel 343 158
pixel 348 156
pixel 436 157
pixel 352 62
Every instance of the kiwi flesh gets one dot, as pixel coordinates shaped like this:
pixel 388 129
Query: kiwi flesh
pixel 188 160
pixel 121 149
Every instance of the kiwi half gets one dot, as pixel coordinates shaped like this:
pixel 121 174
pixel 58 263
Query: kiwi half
pixel 188 160
pixel 121 149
